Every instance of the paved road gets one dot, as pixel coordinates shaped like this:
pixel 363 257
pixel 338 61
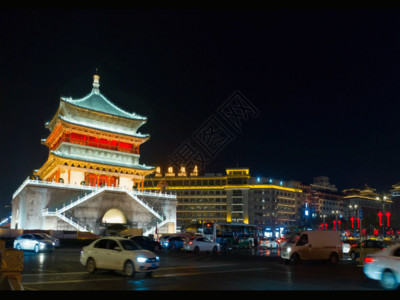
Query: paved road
pixel 261 270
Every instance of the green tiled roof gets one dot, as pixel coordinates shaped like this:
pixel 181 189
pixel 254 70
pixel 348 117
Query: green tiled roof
pixel 97 102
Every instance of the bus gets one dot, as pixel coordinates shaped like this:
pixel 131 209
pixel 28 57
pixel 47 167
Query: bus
pixel 233 235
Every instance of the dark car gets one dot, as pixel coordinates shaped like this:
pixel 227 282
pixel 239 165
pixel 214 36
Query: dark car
pixel 368 247
pixel 146 243
pixel 174 242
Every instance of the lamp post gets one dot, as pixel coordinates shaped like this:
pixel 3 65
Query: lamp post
pixel 323 221
pixel 336 221
pixel 351 207
pixel 381 213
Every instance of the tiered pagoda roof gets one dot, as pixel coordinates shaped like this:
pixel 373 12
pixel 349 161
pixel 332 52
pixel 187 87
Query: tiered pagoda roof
pixel 97 112
pixel 95 116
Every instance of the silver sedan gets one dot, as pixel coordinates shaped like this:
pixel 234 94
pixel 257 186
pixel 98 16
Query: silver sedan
pixel 33 241
pixel 384 266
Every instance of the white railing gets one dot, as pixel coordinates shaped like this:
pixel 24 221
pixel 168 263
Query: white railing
pixel 95 190
pixel 66 219
pixel 105 188
pixel 89 187
pixel 80 200
pixel 153 229
pixel 145 205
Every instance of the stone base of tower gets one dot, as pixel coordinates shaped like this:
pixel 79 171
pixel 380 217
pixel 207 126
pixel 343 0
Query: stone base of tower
pixel 41 205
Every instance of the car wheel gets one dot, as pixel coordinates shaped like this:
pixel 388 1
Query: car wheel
pixel 196 250
pixel 129 269
pixel 333 259
pixel 18 247
pixel 173 247
pixel 389 281
pixel 36 249
pixel 294 259
pixel 156 248
pixel 215 250
pixel 91 265
pixel 353 255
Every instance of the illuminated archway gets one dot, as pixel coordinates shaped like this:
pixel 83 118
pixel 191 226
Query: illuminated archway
pixel 114 216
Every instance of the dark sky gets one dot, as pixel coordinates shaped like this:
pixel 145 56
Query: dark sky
pixel 325 84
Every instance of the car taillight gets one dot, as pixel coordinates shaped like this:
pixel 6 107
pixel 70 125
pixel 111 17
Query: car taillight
pixel 368 259
pixel 190 242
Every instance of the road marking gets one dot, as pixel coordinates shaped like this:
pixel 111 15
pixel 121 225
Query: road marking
pixel 211 272
pixel 159 269
pixel 53 274
pixel 154 275
pixel 69 281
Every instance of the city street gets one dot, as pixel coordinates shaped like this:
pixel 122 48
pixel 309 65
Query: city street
pixel 245 270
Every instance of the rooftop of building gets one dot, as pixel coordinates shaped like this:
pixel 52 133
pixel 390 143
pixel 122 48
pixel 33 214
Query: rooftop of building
pixel 96 101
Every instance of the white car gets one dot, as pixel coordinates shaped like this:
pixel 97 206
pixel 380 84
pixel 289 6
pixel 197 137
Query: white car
pixel 55 241
pixel 384 266
pixel 119 254
pixel 346 247
pixel 33 241
pixel 269 243
pixel 198 244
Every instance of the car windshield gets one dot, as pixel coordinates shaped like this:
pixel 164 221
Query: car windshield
pixel 38 237
pixel 292 239
pixel 130 245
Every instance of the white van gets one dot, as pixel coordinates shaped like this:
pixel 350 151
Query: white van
pixel 314 245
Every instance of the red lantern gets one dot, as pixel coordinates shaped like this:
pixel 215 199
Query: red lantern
pixel 387 214
pixel 380 218
pixel 352 222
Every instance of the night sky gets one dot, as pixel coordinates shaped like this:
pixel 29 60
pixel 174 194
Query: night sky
pixel 325 85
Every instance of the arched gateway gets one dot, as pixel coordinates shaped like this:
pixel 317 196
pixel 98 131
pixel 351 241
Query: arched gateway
pixel 93 153
pixel 114 216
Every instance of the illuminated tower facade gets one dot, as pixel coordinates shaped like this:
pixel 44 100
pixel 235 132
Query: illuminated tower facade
pixel 92 179
pixel 93 142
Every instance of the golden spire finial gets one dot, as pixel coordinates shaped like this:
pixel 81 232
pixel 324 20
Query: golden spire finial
pixel 96 82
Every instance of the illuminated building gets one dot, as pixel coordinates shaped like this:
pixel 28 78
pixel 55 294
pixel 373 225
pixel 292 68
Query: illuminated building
pixel 93 142
pixel 368 200
pixel 232 197
pixel 395 196
pixel 274 202
pixel 92 176
pixel 321 200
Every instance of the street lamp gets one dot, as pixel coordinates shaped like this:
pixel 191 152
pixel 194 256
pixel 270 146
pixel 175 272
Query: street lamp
pixel 352 218
pixel 380 214
pixel 323 221
pixel 336 221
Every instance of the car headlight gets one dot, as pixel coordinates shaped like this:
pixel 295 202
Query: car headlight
pixel 141 259
pixel 157 258
pixel 288 249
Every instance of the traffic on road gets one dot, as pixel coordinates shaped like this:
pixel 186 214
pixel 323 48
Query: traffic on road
pixel 121 264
